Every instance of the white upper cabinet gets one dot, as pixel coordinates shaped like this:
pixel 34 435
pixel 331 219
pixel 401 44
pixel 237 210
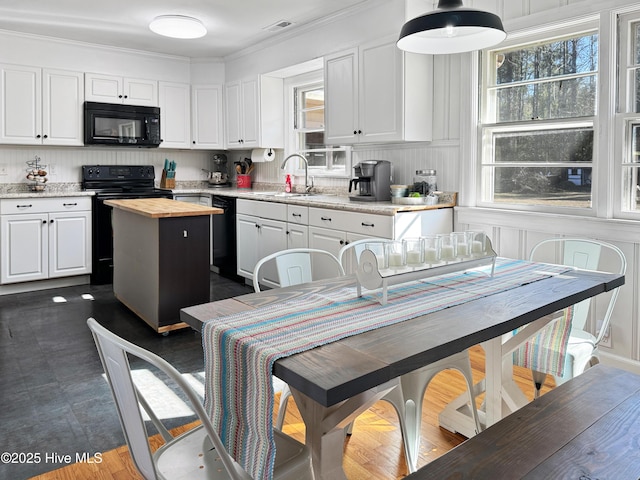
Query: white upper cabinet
pixel 40 106
pixel 255 113
pixel 206 117
pixel 377 93
pixel 115 89
pixel 174 101
pixel 191 116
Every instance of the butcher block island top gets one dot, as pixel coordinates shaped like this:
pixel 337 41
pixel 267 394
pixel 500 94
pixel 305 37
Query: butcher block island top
pixel 162 207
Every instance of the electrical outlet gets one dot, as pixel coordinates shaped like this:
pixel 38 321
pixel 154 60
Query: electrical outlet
pixel 606 339
pixel 3 170
pixel 52 169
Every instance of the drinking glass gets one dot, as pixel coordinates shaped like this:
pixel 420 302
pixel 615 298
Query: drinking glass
pixel 463 244
pixel 431 246
pixel 478 242
pixel 413 251
pixel 447 247
pixel 394 254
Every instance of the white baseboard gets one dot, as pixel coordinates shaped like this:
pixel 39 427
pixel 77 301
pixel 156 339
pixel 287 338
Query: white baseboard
pixel 24 287
pixel 627 364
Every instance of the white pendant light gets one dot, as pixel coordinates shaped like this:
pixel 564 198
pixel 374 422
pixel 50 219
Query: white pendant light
pixel 178 26
pixel 451 28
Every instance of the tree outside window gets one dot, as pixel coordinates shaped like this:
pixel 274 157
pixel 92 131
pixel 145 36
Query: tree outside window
pixel 539 105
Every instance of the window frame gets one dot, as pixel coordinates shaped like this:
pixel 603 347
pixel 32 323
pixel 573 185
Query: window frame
pixel 624 116
pixel 487 110
pixel 292 84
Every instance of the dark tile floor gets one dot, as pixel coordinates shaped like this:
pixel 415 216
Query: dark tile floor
pixel 55 400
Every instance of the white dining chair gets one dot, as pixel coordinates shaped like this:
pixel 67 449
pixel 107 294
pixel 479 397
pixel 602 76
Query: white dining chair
pixel 196 454
pixel 586 254
pixel 293 267
pixel 408 399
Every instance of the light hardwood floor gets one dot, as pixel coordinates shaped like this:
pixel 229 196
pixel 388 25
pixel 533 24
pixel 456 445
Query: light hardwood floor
pixel 374 450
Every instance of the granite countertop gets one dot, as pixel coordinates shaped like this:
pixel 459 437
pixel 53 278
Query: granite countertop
pixel 21 190
pixel 336 200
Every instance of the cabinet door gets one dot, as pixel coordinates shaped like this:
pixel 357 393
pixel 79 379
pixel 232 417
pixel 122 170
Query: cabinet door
pixel 331 241
pixel 174 115
pixel 62 104
pixel 250 114
pixel 247 244
pixel 341 97
pixel 297 236
pixel 69 244
pixel 139 91
pixel 272 237
pixel 380 93
pixel 326 239
pixel 24 248
pixel 20 105
pixel 103 88
pixel 206 117
pixel 233 104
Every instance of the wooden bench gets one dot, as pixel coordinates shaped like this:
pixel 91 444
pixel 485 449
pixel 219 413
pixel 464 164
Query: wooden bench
pixel 587 428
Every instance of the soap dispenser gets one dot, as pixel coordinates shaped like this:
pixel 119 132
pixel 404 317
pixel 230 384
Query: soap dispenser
pixel 287 184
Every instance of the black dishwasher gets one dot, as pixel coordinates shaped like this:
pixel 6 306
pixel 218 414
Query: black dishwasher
pixel 224 237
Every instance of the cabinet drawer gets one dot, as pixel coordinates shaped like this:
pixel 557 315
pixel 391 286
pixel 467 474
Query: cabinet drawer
pixel 9 206
pixel 361 223
pixel 298 214
pixel 257 208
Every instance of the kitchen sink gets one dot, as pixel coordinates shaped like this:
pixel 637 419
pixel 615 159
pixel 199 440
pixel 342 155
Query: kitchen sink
pixel 299 194
pixel 259 192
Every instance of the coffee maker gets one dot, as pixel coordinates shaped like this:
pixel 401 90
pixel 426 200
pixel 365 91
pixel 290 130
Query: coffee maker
pixel 373 181
pixel 219 177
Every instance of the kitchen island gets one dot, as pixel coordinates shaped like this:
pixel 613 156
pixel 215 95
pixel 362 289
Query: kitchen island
pixel 160 257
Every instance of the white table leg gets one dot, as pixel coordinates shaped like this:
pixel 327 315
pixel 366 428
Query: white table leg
pixel 503 396
pixel 325 427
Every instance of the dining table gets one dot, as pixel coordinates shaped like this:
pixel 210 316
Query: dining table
pixel 334 382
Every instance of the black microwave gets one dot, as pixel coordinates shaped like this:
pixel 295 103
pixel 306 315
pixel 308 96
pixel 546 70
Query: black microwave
pixel 122 125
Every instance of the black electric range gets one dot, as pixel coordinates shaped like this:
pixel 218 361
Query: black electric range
pixel 114 182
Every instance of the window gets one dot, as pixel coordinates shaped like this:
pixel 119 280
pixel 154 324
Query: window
pixel 537 123
pixel 308 130
pixel 629 108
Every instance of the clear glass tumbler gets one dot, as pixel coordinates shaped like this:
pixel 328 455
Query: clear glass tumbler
pixel 394 254
pixel 413 251
pixel 463 244
pixel 431 246
pixel 447 247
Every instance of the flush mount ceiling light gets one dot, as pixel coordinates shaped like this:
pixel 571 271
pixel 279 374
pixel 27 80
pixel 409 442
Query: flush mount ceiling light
pixel 451 28
pixel 178 26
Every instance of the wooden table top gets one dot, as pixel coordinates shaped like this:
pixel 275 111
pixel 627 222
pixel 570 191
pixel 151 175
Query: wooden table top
pixel 587 428
pixel 340 370
pixel 162 207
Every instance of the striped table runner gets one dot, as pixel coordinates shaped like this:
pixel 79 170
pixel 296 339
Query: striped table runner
pixel 240 349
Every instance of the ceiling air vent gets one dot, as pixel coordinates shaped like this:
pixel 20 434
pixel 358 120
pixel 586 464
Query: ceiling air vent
pixel 279 25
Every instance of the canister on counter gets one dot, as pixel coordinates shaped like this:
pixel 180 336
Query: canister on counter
pixel 425 182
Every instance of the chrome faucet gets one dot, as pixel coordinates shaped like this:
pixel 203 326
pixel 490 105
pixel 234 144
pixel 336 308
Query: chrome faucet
pixel 307 187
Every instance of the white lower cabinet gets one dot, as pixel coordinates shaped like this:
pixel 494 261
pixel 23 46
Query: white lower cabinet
pixel 331 230
pixel 44 238
pixel 267 227
pixel 261 230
